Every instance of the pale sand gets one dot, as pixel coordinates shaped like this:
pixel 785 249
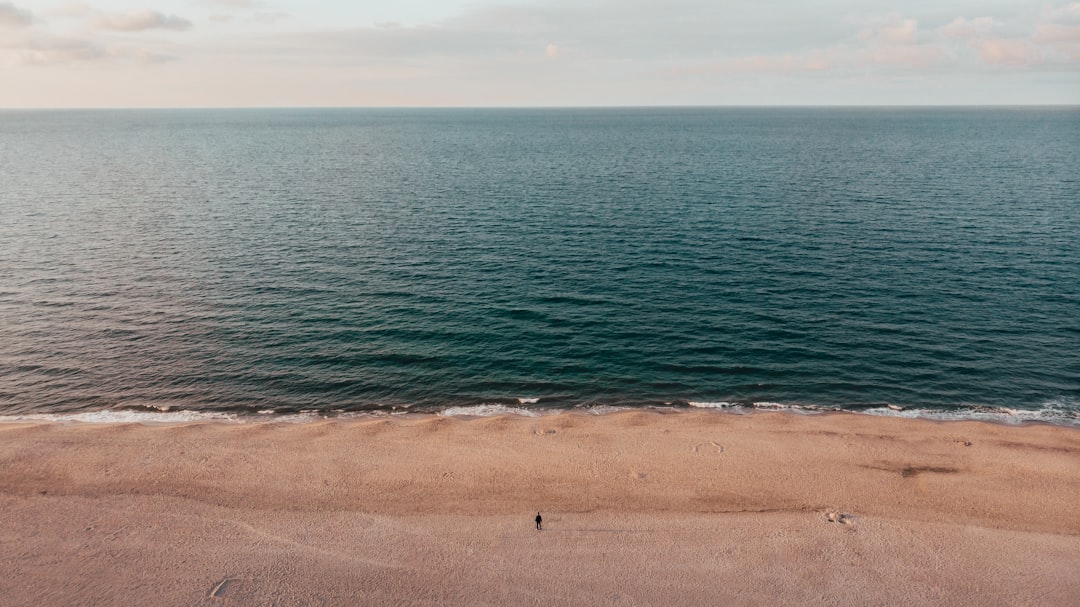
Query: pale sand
pixel 640 508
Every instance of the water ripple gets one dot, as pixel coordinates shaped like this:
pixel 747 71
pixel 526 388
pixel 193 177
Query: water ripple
pixel 329 261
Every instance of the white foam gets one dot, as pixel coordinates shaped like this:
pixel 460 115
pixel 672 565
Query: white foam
pixel 528 401
pixel 126 417
pixel 294 418
pixel 1056 412
pixel 802 409
pixel 603 409
pixel 486 411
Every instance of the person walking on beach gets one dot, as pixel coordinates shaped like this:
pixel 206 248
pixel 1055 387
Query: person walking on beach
pixel 539 520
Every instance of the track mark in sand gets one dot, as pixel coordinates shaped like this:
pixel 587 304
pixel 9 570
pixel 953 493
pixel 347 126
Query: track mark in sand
pixel 911 471
pixel 715 445
pixel 619 598
pixel 219 590
pixel 332 554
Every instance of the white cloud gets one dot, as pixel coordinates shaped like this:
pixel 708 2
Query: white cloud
pixel 1063 15
pixel 266 17
pixel 240 4
pixel 903 32
pixel 73 10
pixel 13 16
pixel 516 51
pixel 58 50
pixel 141 20
pixel 54 50
pixel 1010 52
pixel 58 42
pixel 962 27
pixel 131 21
pixel 1046 39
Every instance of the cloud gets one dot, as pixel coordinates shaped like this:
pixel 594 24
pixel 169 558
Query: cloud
pixel 1048 38
pixel 1063 15
pixel 991 48
pixel 962 28
pixel 905 56
pixel 1057 33
pixel 890 30
pixel 142 20
pixel 268 17
pixel 55 50
pixel 895 42
pixel 569 51
pixel 13 16
pixel 1013 52
pixel 685 38
pixel 73 10
pixel 395 44
pixel 785 64
pixel 239 4
pixel 58 50
pixel 1054 33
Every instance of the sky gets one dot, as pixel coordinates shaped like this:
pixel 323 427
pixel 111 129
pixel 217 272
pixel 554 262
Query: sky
pixel 482 53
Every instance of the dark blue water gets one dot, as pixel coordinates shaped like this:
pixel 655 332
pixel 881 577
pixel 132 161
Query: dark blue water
pixel 350 260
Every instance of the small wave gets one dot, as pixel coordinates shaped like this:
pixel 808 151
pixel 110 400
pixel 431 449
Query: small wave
pixel 603 409
pixel 487 411
pixel 114 416
pixel 754 406
pixel 713 405
pixel 1058 412
pixel 808 409
pixel 1064 411
pixel 296 418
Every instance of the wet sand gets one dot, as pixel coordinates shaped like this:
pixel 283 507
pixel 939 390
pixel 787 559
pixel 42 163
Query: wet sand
pixel 640 508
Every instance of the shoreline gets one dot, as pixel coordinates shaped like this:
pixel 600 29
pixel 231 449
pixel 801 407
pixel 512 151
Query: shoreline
pixel 640 507
pixel 1048 415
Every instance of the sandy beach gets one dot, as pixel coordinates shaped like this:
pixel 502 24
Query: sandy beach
pixel 639 508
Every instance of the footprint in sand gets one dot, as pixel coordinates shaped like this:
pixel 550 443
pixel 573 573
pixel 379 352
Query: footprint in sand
pixel 618 598
pixel 839 517
pixel 708 447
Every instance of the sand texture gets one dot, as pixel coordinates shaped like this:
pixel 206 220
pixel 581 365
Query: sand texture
pixel 640 508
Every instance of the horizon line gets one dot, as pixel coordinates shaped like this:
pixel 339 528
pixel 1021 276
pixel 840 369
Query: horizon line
pixel 556 107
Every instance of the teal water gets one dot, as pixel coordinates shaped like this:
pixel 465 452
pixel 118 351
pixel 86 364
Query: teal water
pixel 909 261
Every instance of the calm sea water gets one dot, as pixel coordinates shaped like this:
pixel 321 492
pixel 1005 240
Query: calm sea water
pixel 912 261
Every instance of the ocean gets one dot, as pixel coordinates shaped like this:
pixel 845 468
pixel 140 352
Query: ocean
pixel 302 263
